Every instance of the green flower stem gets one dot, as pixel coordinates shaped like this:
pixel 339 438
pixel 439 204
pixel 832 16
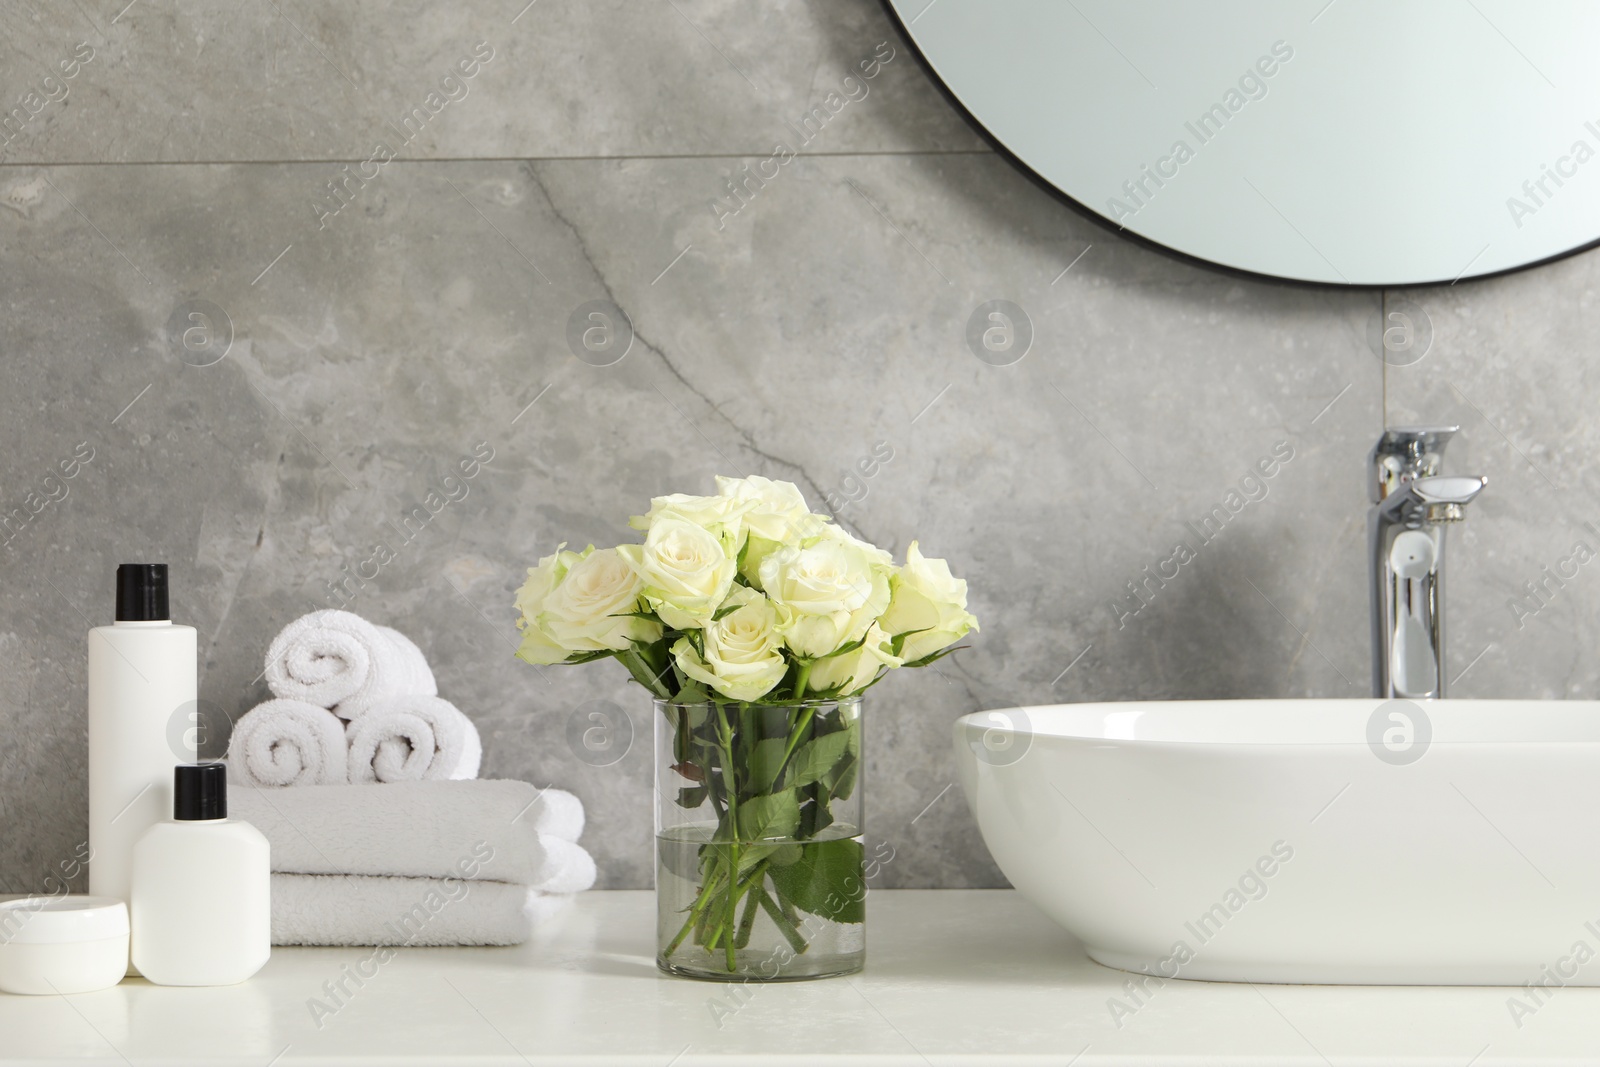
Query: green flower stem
pixel 731 785
pixel 787 928
pixel 789 913
pixel 715 939
pixel 731 920
pixel 700 912
pixel 748 920
pixel 694 915
pixel 801 679
pixel 757 873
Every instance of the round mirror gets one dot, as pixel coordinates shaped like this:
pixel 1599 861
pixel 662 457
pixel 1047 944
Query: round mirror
pixel 1350 142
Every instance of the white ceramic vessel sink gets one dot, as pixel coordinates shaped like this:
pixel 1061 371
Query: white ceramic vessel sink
pixel 1328 841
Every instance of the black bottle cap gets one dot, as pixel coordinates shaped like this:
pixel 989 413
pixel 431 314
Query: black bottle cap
pixel 200 792
pixel 142 592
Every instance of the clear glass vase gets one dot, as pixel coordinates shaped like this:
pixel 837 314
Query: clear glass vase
pixel 759 864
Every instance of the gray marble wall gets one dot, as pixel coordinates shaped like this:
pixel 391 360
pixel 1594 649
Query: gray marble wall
pixel 186 164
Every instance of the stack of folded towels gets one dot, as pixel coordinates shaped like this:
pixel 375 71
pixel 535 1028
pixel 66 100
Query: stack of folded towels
pixel 416 863
pixel 389 838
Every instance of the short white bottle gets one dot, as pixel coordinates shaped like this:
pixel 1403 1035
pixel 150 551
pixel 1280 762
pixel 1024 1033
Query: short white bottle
pixel 201 908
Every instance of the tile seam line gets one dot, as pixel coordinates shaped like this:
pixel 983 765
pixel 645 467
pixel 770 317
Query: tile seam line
pixel 481 159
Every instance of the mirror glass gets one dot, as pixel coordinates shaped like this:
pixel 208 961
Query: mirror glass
pixel 1350 142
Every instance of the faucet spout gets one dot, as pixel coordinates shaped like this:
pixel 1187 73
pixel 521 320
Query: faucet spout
pixel 1414 505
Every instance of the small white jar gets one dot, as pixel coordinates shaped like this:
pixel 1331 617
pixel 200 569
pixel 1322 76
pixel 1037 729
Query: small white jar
pixel 69 944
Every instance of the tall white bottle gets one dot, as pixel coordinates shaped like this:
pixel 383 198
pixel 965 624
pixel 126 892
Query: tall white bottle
pixel 142 686
pixel 201 910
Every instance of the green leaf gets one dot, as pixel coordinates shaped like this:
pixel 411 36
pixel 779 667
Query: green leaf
pixel 898 641
pixel 750 855
pixel 766 760
pixel 773 720
pixel 655 653
pixel 766 817
pixel 816 757
pixel 589 657
pixel 785 855
pixel 633 659
pixel 692 692
pixel 724 611
pixel 843 649
pixel 941 654
pixel 692 797
pixel 843 783
pixel 815 816
pixel 826 880
pixel 685 720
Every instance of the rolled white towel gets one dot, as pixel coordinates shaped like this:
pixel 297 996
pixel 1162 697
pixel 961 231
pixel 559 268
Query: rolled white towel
pixel 288 742
pixel 335 659
pixel 319 909
pixel 416 677
pixel 568 867
pixel 411 738
pixel 489 827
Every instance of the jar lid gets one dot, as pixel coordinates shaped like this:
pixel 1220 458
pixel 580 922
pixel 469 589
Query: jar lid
pixel 61 920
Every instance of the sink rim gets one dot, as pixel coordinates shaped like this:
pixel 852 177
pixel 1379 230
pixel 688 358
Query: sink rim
pixel 1293 722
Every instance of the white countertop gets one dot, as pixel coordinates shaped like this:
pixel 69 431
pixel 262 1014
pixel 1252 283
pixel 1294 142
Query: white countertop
pixel 953 977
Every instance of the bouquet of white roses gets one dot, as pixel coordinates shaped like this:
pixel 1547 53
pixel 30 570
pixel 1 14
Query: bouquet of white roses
pixel 744 596
pixel 745 615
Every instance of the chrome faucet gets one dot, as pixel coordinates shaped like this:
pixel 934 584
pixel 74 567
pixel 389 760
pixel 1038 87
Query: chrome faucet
pixel 1414 504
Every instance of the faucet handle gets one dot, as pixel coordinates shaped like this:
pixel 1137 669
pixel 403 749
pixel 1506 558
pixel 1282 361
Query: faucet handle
pixel 1447 497
pixel 1404 454
pixel 1449 489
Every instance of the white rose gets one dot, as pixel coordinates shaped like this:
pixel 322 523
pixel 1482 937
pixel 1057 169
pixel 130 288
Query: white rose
pixel 831 532
pixel 686 570
pixel 722 515
pixel 775 513
pixel 589 610
pixel 743 652
pixel 849 672
pixel 928 603
pixel 774 510
pixel 827 593
pixel 537 647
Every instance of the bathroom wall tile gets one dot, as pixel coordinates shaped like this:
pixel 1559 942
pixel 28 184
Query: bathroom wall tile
pixel 300 81
pixel 1509 363
pixel 823 320
pixel 1151 391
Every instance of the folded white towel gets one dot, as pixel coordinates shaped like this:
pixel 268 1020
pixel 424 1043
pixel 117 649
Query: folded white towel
pixel 558 814
pixel 485 828
pixel 288 742
pixel 412 737
pixel 568 867
pixel 338 660
pixel 313 909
